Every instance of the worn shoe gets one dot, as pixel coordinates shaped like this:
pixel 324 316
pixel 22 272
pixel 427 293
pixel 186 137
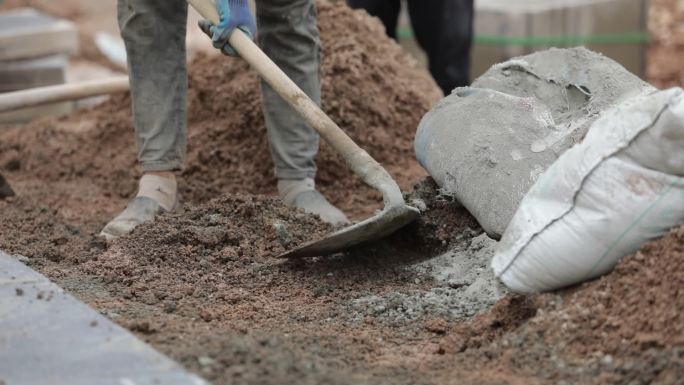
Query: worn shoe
pixel 138 211
pixel 156 195
pixel 303 194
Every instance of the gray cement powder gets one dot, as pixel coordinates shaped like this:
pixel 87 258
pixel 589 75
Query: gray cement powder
pixel 464 287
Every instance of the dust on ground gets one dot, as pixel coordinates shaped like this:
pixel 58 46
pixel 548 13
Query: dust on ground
pixel 201 285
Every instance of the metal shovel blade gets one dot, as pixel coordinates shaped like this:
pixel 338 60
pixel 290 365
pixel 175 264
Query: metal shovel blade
pixel 386 222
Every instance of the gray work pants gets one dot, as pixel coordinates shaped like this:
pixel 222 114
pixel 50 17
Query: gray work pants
pixel 154 33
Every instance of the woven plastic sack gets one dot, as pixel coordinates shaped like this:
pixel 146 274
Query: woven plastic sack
pixel 601 200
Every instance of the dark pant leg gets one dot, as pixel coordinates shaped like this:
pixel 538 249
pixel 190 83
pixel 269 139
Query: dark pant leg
pixel 154 34
pixel 288 34
pixel 386 10
pixel 444 29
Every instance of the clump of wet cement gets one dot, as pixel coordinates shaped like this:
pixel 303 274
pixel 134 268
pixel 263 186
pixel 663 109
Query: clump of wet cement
pixel 463 286
pixel 449 255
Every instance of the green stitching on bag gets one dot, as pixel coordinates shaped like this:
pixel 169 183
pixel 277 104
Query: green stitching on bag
pixel 631 227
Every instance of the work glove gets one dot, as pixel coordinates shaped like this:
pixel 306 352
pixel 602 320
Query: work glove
pixel 233 14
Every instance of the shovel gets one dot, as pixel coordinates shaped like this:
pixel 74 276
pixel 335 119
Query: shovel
pixel 396 212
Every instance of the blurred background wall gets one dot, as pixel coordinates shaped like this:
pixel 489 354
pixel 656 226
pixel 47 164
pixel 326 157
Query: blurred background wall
pixel 645 36
pixel 509 28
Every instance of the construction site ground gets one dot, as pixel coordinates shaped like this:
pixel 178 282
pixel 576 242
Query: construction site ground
pixel 202 285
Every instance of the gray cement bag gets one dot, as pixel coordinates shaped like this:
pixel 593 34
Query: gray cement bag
pixel 621 187
pixel 487 144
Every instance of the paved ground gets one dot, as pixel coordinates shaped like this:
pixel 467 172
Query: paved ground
pixel 57 339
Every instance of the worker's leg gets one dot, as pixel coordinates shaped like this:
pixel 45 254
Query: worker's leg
pixel 288 34
pixel 444 29
pixel 154 34
pixel 386 10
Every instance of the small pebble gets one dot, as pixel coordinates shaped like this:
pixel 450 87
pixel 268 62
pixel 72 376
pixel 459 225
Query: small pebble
pixel 284 236
pixel 607 359
pixel 170 306
pixel 205 361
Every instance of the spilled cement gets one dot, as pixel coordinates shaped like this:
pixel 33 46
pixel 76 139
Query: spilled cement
pixel 464 286
pixel 487 144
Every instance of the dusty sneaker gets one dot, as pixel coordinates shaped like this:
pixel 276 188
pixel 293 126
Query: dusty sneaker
pixel 303 194
pixel 156 195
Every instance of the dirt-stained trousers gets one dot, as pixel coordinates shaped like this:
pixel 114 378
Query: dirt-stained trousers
pixel 154 34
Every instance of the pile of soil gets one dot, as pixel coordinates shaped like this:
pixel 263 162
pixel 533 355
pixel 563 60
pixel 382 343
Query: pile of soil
pixel 638 306
pixel 626 327
pixel 371 88
pixel 196 251
pixel 187 282
pixel 666 52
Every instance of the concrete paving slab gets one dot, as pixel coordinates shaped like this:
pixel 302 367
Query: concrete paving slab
pixel 26 33
pixel 47 337
pixel 29 73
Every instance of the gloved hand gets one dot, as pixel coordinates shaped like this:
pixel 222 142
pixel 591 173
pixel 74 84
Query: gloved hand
pixel 233 14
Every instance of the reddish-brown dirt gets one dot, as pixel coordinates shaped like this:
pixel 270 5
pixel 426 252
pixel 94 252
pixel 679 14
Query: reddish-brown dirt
pixel 202 286
pixel 623 328
pixel 666 52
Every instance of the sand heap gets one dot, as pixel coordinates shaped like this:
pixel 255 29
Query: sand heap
pixel 666 52
pixel 371 88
